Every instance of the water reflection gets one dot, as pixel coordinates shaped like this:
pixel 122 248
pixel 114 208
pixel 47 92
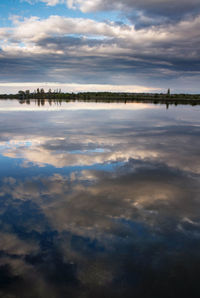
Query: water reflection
pixel 99 202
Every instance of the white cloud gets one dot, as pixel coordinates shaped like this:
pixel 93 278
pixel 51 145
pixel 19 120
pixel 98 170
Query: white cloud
pixel 52 2
pixel 97 52
pixel 125 39
pixel 48 2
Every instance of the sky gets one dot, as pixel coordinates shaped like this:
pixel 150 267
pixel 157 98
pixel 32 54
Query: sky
pixel 100 45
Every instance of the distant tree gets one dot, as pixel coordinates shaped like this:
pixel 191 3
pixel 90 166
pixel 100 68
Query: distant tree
pixel 27 94
pixel 21 94
pixel 42 93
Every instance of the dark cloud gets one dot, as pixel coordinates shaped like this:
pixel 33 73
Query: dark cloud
pixel 145 12
pixel 98 70
pixel 84 51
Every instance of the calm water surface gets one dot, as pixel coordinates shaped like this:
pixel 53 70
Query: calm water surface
pixel 99 200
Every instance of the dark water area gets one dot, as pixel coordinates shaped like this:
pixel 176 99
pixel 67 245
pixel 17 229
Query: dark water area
pixel 99 200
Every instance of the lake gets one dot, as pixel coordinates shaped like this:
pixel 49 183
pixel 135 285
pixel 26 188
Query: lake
pixel 99 200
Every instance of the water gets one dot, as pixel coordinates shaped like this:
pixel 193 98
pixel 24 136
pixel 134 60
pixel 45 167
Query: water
pixel 99 200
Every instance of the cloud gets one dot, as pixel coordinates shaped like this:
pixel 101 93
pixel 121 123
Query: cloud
pixel 69 50
pixel 52 2
pixel 48 2
pixel 163 8
pixel 142 13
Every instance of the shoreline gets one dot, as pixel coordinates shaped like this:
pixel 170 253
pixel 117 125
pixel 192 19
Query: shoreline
pixel 161 100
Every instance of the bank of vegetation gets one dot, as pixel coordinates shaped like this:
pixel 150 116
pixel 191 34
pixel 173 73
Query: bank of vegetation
pixel 58 96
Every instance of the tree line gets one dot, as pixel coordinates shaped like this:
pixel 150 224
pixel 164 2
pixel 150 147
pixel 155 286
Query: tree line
pixel 57 95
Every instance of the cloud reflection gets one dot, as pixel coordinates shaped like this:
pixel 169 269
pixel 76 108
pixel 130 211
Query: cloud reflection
pixel 70 228
pixel 86 217
pixel 79 137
